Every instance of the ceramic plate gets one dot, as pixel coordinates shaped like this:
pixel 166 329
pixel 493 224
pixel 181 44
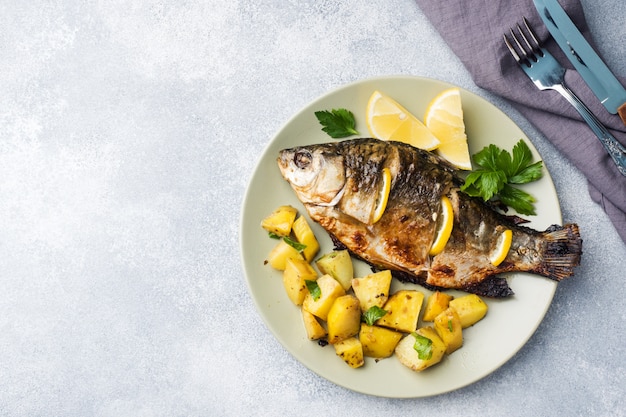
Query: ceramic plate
pixel 487 345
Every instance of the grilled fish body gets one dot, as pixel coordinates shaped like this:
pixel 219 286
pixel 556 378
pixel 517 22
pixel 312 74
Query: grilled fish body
pixel 339 184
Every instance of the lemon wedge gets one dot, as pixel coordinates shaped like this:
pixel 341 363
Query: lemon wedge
pixel 444 117
pixel 383 197
pixel 502 248
pixel 386 119
pixel 445 227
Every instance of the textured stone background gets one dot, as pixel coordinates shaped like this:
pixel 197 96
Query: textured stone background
pixel 128 133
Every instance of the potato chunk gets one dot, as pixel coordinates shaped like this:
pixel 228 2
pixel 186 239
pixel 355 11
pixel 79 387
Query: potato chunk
pixel 436 303
pixel 296 272
pixel 403 309
pixel 304 235
pixel 378 342
pixel 330 290
pixel 279 255
pixel 314 329
pixel 337 264
pixel 344 318
pixel 280 220
pixel 351 351
pixel 373 289
pixel 471 309
pixel 448 327
pixel 420 349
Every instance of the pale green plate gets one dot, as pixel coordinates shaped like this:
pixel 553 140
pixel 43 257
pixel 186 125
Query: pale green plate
pixel 487 345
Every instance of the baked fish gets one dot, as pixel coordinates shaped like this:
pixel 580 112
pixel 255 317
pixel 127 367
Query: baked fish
pixel 339 184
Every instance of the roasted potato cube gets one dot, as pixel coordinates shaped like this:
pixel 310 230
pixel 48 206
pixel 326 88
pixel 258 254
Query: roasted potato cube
pixel 420 349
pixel 279 255
pixel 403 309
pixel 448 327
pixel 304 234
pixel 344 318
pixel 330 290
pixel 436 303
pixel 314 329
pixel 296 272
pixel 378 342
pixel 280 221
pixel 351 351
pixel 373 289
pixel 337 264
pixel 470 308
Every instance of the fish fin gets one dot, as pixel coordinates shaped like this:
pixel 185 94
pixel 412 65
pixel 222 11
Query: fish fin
pixel 492 287
pixel 338 244
pixel 419 279
pixel 562 251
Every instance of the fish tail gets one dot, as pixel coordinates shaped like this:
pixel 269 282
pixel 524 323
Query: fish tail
pixel 562 251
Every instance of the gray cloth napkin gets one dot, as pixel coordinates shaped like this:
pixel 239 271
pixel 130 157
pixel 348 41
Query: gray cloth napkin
pixel 474 28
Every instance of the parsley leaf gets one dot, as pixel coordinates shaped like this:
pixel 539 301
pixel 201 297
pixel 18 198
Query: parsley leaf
pixel 528 174
pixel 372 314
pixel 423 346
pixel 338 123
pixel 521 158
pixel 488 157
pixel 484 183
pixel 497 170
pixel 314 289
pixel 520 200
pixel 296 245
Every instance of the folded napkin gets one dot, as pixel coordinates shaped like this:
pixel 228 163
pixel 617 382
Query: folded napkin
pixel 474 28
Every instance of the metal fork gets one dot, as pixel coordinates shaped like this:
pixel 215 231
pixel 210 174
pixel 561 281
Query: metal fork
pixel 547 73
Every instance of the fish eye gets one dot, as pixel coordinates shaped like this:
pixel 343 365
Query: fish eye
pixel 302 158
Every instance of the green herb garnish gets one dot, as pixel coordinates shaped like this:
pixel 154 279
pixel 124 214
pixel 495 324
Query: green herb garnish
pixel 273 235
pixel 296 245
pixel 498 170
pixel 338 123
pixel 314 289
pixel 450 326
pixel 372 314
pixel 423 346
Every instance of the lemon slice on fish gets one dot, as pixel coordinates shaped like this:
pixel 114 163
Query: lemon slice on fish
pixel 444 117
pixel 383 197
pixel 502 248
pixel 445 227
pixel 386 119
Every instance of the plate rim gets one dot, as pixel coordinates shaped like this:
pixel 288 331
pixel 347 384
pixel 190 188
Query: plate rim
pixel 269 148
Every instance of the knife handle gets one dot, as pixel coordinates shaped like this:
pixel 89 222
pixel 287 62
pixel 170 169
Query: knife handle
pixel 615 149
pixel 621 110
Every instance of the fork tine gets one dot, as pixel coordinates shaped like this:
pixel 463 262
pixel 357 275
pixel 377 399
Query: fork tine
pixel 535 47
pixel 527 49
pixel 517 42
pixel 521 55
pixel 530 50
pixel 531 32
pixel 512 49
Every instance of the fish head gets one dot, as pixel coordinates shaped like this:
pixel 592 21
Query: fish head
pixel 316 173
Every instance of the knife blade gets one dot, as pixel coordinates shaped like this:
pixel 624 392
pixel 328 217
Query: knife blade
pixel 589 65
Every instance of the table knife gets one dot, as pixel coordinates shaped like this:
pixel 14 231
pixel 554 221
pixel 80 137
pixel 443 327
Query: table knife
pixel 589 65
